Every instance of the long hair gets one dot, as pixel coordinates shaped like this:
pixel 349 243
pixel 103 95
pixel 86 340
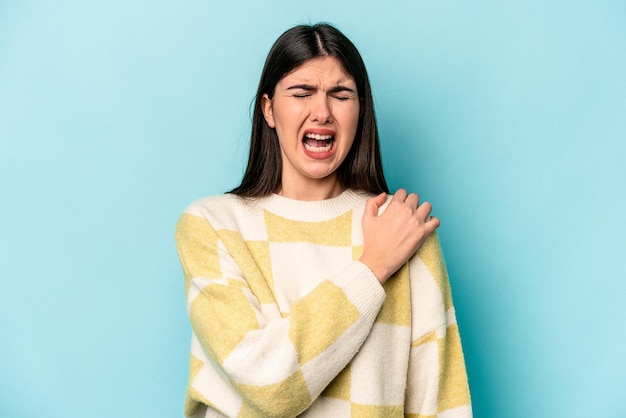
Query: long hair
pixel 362 169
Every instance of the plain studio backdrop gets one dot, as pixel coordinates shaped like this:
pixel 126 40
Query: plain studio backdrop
pixel 509 116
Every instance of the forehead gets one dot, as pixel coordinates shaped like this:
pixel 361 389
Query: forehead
pixel 325 70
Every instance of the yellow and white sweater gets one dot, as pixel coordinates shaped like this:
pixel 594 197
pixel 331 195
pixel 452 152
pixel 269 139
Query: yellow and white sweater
pixel 287 321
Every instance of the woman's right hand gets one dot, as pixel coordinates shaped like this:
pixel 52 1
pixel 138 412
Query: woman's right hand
pixel 391 238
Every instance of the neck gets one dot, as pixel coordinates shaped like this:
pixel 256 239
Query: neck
pixel 318 189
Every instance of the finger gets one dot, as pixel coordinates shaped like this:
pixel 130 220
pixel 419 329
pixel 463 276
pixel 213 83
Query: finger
pixel 373 204
pixel 412 200
pixel 432 223
pixel 424 210
pixel 400 195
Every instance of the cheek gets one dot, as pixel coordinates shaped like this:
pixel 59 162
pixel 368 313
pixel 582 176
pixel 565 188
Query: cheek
pixel 353 122
pixel 288 118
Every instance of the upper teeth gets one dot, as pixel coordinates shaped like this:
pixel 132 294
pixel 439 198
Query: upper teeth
pixel 318 137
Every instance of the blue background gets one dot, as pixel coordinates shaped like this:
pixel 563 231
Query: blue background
pixel 509 116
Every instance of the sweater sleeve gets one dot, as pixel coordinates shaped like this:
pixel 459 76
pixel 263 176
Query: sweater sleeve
pixel 277 365
pixel 437 380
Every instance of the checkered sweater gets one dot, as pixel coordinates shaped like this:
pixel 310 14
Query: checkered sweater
pixel 286 321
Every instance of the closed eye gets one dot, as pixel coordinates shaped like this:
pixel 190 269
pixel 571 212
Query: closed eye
pixel 342 93
pixel 301 91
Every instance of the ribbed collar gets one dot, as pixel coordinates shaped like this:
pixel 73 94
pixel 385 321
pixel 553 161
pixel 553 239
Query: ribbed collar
pixel 313 211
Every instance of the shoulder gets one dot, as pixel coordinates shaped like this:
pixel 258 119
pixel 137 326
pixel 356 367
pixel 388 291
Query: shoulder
pixel 223 211
pixel 211 204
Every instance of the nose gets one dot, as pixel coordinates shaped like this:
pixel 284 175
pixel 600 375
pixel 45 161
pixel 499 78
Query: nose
pixel 321 111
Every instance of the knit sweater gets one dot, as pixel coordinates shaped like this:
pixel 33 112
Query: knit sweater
pixel 287 322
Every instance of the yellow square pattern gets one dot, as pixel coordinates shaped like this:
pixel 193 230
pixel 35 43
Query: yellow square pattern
pixel 396 309
pixel 197 247
pixel 216 303
pixel 453 387
pixel 336 232
pixel 272 397
pixel 430 253
pixel 253 258
pixel 376 411
pixel 341 313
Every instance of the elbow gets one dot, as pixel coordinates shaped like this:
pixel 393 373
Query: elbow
pixel 278 401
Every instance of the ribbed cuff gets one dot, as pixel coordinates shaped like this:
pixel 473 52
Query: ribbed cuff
pixel 362 288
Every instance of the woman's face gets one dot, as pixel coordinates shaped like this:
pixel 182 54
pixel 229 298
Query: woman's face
pixel 315 111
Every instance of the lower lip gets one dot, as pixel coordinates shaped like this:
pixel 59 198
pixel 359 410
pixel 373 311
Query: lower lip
pixel 320 155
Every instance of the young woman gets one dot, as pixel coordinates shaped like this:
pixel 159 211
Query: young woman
pixel 309 291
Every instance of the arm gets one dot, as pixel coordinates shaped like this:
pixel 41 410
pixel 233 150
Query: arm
pixel 404 231
pixel 277 365
pixel 437 380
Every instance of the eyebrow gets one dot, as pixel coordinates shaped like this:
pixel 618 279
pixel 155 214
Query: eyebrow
pixel 309 87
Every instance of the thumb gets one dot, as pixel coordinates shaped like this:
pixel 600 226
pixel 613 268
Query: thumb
pixel 373 204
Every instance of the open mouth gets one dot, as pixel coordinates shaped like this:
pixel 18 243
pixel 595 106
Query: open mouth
pixel 318 143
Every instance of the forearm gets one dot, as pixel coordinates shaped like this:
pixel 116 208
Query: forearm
pixel 278 364
pixel 282 365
